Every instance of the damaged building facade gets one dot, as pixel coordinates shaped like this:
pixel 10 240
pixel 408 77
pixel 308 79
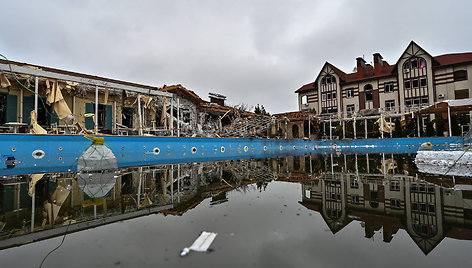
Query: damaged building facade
pixel 63 102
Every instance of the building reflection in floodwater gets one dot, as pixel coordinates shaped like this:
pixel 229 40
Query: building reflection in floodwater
pixel 380 191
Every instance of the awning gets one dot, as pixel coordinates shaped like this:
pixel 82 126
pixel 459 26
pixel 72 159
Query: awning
pixel 455 106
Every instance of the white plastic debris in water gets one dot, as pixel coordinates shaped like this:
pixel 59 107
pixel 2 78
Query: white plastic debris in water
pixel 201 244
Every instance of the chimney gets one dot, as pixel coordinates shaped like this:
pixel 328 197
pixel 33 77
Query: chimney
pixel 378 63
pixel 360 67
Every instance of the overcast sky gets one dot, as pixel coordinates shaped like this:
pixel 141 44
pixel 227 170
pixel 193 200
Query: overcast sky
pixel 251 51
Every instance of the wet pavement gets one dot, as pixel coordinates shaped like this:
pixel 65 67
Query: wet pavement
pixel 303 211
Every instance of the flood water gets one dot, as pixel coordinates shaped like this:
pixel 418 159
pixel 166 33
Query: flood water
pixel 302 211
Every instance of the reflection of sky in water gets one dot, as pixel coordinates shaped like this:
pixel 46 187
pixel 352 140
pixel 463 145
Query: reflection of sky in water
pixel 256 227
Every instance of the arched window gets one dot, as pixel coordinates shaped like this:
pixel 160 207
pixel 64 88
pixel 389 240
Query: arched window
pixel 328 79
pixel 413 63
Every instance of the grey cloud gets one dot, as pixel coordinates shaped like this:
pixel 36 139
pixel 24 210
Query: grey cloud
pixel 251 51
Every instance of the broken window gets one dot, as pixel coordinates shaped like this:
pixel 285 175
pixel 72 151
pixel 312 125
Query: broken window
pixel 127 117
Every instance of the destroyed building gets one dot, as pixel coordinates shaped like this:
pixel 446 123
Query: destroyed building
pixel 42 100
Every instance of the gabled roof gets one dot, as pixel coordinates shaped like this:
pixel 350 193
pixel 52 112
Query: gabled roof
pixel 388 70
pixel 307 87
pixel 455 58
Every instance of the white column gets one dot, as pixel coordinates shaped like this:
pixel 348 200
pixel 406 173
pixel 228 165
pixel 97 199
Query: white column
pixel 73 109
pixel 33 209
pixel 309 127
pixel 36 90
pixel 390 121
pixel 381 125
pixel 96 109
pixel 140 116
pixel 172 183
pixel 171 123
pixel 344 129
pixel 355 131
pixel 286 128
pixel 114 116
pixel 139 187
pixel 365 128
pixel 367 157
pixel 330 129
pixel 21 105
pixel 418 118
pixel 178 117
pixel 449 119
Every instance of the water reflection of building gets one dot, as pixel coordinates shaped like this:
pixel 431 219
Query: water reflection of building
pixel 171 189
pixel 427 211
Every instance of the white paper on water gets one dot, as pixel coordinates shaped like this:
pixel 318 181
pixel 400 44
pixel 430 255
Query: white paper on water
pixel 203 242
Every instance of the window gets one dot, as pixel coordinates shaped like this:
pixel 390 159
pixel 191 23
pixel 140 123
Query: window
pixel 423 208
pixel 415 82
pixel 395 203
pixel 305 99
pixel 460 75
pixel 414 207
pixel 461 94
pixel 368 87
pixel 416 101
pixel 350 109
pixel 323 96
pixel 425 120
pixel 323 81
pixel 414 187
pixel 394 186
pixel 431 209
pixel 328 79
pixel 423 81
pixel 422 63
pixel 407 84
pixel 333 94
pixel 414 63
pixel 390 105
pixel 369 96
pixel 424 100
pixel 408 102
pixel 127 114
pixel 406 67
pixel 355 199
pixel 328 96
pixel 349 93
pixel 389 87
pixel 354 184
